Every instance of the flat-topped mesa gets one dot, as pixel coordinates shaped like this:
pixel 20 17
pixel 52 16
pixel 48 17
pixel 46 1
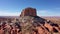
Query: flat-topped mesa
pixel 28 12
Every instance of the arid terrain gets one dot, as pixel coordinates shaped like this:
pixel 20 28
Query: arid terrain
pixel 29 23
pixel 52 19
pixel 55 19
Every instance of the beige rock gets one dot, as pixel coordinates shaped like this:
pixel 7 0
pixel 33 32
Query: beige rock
pixel 48 26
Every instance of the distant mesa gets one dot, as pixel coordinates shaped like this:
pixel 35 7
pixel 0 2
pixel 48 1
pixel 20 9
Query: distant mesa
pixel 28 12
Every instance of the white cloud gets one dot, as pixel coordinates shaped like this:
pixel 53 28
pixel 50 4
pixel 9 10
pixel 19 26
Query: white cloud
pixel 41 12
pixel 47 13
pixel 6 13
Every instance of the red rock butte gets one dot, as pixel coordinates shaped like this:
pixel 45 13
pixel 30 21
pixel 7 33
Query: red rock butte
pixel 29 12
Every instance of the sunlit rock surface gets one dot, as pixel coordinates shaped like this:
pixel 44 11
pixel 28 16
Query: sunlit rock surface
pixel 28 12
pixel 28 23
pixel 31 23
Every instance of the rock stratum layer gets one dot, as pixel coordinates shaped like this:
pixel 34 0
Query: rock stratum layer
pixel 28 12
pixel 32 24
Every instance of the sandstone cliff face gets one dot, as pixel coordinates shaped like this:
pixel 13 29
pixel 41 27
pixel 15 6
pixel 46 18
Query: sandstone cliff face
pixel 32 24
pixel 29 12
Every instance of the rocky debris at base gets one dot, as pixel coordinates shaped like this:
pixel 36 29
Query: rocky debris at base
pixel 38 25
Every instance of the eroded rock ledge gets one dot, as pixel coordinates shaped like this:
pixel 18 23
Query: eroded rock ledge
pixel 33 24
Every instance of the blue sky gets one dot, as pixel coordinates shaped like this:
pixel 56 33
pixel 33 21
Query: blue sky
pixel 44 7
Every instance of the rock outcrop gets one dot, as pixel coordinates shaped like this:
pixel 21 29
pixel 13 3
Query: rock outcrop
pixel 29 23
pixel 29 12
pixel 32 24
